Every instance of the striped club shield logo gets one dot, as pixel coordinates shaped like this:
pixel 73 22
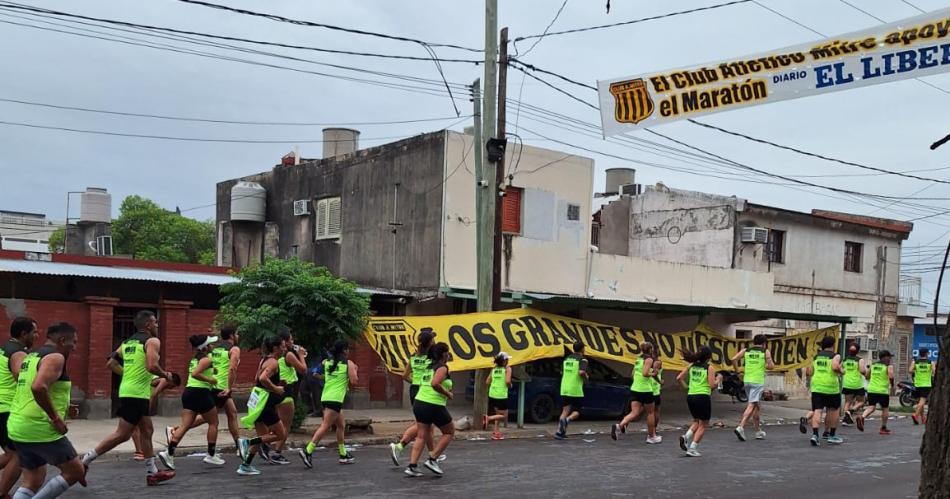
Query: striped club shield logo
pixel 632 101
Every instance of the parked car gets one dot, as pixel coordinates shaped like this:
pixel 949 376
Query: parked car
pixel 606 393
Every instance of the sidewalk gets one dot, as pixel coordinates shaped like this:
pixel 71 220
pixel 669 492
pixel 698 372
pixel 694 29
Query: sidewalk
pixel 389 424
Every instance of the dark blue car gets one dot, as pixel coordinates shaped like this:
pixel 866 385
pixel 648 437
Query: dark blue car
pixel 606 394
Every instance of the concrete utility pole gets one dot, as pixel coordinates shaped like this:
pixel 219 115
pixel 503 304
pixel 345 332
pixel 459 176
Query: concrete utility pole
pixel 500 170
pixel 486 194
pixel 481 234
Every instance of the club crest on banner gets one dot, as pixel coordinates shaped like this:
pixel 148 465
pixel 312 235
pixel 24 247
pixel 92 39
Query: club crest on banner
pixel 632 101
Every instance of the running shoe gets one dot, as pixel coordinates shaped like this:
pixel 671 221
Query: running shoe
pixel 243 448
pixel 213 459
pixel 412 471
pixel 835 440
pixel 859 423
pixel 693 452
pixel 740 433
pixel 760 435
pixel 440 459
pixel 803 425
pixel 913 418
pixel 347 459
pixel 825 435
pixel 278 458
pixel 623 429
pixel 433 466
pixel 614 428
pixel 496 435
pixel 394 452
pixel 263 451
pixel 847 419
pixel 247 470
pixel 654 439
pixel 562 426
pixel 559 436
pixel 885 431
pixel 169 430
pixel 814 441
pixel 306 456
pixel 167 459
pixel 684 444
pixel 154 479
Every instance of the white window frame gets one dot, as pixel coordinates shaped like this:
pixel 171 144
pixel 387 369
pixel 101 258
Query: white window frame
pixel 328 218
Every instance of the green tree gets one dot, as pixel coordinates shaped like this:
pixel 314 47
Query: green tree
pixel 57 241
pixel 317 306
pixel 149 232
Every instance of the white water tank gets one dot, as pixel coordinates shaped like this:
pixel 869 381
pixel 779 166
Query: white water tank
pixel 248 202
pixel 95 206
pixel 340 141
pixel 617 177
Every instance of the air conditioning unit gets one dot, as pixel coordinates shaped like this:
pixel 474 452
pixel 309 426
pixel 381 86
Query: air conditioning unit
pixel 104 246
pixel 301 207
pixel 756 235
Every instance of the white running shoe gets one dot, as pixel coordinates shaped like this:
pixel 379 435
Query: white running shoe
pixel 654 440
pixel 440 459
pixel 692 452
pixel 167 459
pixel 213 459
pixel 760 435
pixel 740 433
pixel 394 453
pixel 413 471
pixel 433 466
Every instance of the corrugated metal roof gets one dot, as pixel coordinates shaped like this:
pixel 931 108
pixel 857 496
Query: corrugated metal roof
pixel 72 269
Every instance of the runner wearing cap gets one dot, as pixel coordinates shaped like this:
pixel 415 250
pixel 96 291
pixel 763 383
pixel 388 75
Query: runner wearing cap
pixel 197 399
pixel 499 380
pixel 880 381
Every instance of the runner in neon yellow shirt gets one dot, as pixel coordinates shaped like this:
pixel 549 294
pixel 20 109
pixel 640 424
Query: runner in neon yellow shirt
pixel 37 427
pixel 641 392
pixel 416 367
pixel 339 373
pixel 292 365
pixel 23 334
pixel 880 383
pixel 702 378
pixel 922 370
pixel 499 381
pixel 573 377
pixel 825 391
pixel 756 359
pixel 430 411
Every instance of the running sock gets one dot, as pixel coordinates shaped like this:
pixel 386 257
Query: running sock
pixel 53 488
pixel 89 457
pixel 171 448
pixel 23 493
pixel 311 447
pixel 212 447
pixel 814 432
pixel 832 431
pixel 693 445
pixel 150 467
pixel 689 434
pixel 342 448
pixel 400 446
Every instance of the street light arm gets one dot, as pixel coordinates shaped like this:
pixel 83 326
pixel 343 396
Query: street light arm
pixel 940 142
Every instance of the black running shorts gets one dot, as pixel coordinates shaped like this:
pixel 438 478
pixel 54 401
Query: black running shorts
pixel 881 399
pixel 219 401
pixel 498 404
pixel 857 392
pixel 575 403
pixel 645 398
pixel 5 441
pixel 132 410
pixel 35 455
pixel 700 406
pixel 921 392
pixel 413 391
pixel 825 401
pixel 433 414
pixel 197 400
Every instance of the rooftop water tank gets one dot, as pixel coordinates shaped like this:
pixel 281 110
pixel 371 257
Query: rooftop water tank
pixel 95 206
pixel 248 202
pixel 340 141
pixel 618 177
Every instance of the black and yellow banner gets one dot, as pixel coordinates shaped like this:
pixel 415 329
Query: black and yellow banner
pixel 527 334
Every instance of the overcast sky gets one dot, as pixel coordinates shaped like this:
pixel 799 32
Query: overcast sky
pixel 888 126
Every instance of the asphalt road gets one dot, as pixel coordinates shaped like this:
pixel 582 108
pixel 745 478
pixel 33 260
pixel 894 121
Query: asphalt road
pixel 783 466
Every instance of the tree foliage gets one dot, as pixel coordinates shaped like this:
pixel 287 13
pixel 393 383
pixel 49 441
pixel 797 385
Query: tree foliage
pixel 317 306
pixel 57 241
pixel 149 232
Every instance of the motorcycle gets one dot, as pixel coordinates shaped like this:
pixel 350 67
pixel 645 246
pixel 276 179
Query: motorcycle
pixel 733 386
pixel 907 394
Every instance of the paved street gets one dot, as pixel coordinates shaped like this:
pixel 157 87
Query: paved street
pixel 784 466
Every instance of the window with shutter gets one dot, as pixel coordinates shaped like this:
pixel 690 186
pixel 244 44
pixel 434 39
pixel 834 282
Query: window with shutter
pixel 328 220
pixel 511 210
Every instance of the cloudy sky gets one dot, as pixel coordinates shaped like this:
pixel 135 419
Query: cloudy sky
pixel 888 126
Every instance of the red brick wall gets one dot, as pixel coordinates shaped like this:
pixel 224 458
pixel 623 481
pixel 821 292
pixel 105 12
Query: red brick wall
pixel 48 312
pixel 374 378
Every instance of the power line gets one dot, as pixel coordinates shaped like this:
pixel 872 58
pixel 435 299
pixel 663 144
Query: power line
pixel 625 23
pixel 186 139
pixel 222 121
pixel 536 42
pixel 783 16
pixel 813 155
pixel 298 22
pixel 922 11
pixel 859 9
pixel 229 38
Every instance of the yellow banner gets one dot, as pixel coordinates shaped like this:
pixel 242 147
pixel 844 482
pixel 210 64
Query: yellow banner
pixel 527 334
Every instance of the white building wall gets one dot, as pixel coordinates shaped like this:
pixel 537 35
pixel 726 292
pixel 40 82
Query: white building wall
pixel 551 254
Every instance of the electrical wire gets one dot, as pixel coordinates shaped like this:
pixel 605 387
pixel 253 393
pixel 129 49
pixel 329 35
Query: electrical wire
pixel 298 22
pixel 223 121
pixel 538 40
pixel 627 23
